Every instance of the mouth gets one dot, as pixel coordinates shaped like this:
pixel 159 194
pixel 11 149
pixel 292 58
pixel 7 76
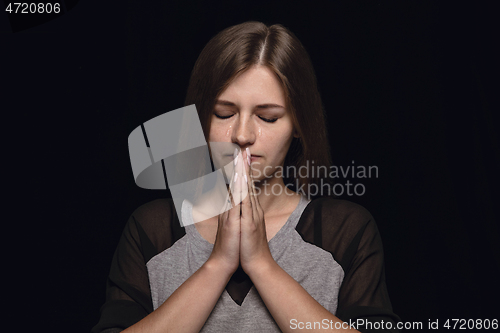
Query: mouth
pixel 254 157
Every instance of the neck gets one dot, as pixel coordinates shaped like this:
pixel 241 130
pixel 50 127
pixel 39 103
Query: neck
pixel 273 195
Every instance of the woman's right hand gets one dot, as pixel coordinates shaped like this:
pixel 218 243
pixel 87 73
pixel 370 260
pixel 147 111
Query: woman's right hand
pixel 201 291
pixel 226 250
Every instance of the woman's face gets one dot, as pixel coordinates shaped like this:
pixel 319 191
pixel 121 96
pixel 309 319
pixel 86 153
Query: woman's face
pixel 252 113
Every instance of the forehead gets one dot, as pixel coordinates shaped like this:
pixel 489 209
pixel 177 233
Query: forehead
pixel 258 84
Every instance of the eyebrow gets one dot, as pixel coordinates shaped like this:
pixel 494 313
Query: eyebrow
pixel 260 106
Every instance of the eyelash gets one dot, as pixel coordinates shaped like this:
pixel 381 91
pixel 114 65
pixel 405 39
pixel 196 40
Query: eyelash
pixel 264 119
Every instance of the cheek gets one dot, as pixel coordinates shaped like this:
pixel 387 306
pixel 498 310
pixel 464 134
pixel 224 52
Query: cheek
pixel 277 140
pixel 219 133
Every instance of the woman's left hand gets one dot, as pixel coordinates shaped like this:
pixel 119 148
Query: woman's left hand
pixel 254 250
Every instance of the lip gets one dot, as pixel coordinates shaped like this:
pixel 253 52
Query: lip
pixel 252 157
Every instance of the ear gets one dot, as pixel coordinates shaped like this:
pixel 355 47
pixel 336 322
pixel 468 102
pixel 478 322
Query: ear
pixel 296 134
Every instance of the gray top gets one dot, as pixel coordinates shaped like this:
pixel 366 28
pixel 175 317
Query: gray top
pixel 155 255
pixel 314 268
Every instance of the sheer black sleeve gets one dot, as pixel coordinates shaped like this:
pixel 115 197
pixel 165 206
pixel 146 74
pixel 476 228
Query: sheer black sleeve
pixel 151 228
pixel 349 232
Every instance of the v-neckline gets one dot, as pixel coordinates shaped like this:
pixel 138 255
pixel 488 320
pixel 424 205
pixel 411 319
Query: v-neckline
pixel 239 284
pixel 198 234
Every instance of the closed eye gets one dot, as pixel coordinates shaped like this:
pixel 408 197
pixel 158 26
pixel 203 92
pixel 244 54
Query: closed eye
pixel 223 117
pixel 264 119
pixel 268 120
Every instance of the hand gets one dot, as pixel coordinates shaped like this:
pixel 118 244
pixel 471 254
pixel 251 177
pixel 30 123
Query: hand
pixel 254 250
pixel 226 250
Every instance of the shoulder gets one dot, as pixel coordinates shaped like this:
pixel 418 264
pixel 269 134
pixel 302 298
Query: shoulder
pixel 335 224
pixel 154 210
pixel 159 222
pixel 331 209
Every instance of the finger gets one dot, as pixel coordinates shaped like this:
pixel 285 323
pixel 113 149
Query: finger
pixel 233 183
pixel 251 184
pixel 229 200
pixel 234 212
pixel 246 206
pixel 227 205
pixel 231 189
pixel 242 185
pixel 251 188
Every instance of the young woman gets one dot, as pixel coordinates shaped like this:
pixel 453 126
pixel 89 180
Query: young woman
pixel 276 261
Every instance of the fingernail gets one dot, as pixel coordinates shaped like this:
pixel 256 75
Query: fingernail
pixel 235 177
pixel 248 156
pixel 246 179
pixel 235 155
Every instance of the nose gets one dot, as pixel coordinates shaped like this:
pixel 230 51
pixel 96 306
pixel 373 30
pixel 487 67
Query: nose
pixel 243 131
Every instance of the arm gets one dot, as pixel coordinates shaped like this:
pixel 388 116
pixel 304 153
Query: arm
pixel 188 308
pixel 348 231
pixel 286 300
pixel 363 295
pixel 284 297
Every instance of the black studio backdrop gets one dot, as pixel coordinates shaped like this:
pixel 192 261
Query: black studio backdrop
pixel 409 87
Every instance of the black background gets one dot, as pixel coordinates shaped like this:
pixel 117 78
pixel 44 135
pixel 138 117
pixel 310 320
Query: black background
pixel 410 87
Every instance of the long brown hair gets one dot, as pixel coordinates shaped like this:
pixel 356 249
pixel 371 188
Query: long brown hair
pixel 239 47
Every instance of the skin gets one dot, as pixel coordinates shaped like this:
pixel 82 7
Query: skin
pixel 246 105
pixel 240 235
